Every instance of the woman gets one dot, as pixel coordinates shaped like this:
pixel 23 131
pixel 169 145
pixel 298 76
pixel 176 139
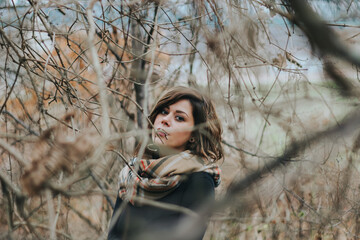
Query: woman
pixel 178 168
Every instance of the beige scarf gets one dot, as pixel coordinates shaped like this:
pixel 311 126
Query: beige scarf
pixel 156 178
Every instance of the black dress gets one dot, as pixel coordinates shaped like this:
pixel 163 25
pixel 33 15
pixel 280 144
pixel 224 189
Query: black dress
pixel 194 192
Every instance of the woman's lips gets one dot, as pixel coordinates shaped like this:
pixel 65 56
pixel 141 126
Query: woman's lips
pixel 162 133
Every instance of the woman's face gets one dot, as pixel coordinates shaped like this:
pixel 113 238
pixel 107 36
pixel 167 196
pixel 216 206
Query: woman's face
pixel 174 125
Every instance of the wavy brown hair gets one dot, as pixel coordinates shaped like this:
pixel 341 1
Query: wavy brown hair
pixel 207 130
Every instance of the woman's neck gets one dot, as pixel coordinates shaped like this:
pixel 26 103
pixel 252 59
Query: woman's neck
pixel 157 151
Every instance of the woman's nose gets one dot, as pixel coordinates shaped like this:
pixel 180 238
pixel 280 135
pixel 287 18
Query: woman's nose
pixel 166 120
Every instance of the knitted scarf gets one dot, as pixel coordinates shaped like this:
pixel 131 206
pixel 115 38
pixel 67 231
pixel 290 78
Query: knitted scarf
pixel 156 178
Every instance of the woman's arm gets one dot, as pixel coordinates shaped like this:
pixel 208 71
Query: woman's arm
pixel 198 193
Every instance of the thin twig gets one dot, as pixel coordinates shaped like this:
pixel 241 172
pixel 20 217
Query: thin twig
pixel 14 152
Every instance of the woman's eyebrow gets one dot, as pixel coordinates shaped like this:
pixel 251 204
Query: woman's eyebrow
pixel 179 111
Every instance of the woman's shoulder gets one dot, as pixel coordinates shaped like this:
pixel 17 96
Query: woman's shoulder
pixel 200 177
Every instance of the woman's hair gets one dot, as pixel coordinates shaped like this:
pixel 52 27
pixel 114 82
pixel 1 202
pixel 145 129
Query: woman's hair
pixel 207 128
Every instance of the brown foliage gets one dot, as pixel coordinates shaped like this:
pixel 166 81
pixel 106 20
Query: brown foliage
pixel 286 141
pixel 55 151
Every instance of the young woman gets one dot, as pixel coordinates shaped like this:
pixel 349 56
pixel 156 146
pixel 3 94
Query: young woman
pixel 177 168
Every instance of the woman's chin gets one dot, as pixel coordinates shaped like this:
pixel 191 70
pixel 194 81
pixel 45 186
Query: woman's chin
pixel 159 143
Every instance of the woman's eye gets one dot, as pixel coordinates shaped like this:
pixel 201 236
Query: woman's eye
pixel 179 118
pixel 163 112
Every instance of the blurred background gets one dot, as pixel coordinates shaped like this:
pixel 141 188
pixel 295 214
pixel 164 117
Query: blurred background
pixel 78 79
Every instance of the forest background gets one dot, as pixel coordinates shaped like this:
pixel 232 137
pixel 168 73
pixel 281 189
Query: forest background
pixel 78 79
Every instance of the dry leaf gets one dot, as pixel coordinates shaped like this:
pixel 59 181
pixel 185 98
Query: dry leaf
pixel 55 151
pixel 279 61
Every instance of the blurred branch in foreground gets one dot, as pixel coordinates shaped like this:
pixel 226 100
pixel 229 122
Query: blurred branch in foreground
pixel 91 62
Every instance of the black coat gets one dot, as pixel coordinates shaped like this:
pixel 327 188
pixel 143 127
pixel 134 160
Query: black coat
pixel 194 192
